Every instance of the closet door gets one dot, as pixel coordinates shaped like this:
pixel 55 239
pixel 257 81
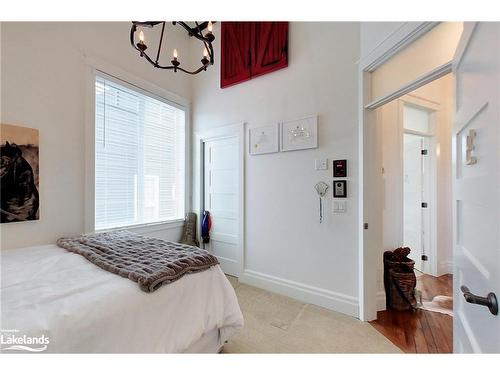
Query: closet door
pixel 235 53
pixel 269 50
pixel 222 200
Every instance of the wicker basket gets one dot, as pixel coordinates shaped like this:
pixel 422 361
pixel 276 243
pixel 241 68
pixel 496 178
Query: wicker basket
pixel 399 280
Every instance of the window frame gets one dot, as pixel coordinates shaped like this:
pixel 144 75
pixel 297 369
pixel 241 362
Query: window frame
pixel 94 69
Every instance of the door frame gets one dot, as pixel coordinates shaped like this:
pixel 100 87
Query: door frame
pixel 370 211
pixel 222 132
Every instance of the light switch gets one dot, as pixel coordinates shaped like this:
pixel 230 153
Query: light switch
pixel 321 164
pixel 339 207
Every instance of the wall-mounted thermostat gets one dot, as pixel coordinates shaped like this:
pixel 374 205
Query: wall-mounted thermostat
pixel 340 168
pixel 340 189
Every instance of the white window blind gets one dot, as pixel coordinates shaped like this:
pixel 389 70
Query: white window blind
pixel 139 157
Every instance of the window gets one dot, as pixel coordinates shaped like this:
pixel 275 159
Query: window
pixel 139 156
pixel 417 119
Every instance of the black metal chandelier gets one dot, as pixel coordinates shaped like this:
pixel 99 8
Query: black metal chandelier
pixel 196 31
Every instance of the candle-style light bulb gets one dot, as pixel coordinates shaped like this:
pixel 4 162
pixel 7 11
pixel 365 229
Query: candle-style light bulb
pixel 209 35
pixel 141 46
pixel 174 61
pixel 204 59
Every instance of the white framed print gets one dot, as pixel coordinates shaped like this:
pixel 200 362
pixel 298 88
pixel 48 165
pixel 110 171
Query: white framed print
pixel 263 139
pixel 299 134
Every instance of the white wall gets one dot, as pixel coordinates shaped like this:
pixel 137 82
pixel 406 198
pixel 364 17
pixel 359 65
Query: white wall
pixel 438 93
pixel 432 50
pixel 373 34
pixel 287 250
pixel 43 86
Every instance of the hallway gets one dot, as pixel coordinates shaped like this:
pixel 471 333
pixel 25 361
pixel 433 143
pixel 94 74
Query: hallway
pixel 420 331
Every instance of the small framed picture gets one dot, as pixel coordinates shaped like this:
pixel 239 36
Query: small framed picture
pixel 340 189
pixel 299 134
pixel 263 139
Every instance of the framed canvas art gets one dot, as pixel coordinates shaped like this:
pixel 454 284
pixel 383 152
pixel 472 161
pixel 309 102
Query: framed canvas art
pixel 299 134
pixel 19 173
pixel 263 139
pixel 251 49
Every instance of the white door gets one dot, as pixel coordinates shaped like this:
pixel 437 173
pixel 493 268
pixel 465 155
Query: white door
pixel 413 214
pixel 418 188
pixel 222 200
pixel 476 186
pixel 419 185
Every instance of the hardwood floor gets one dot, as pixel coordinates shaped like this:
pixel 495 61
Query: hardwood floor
pixel 420 331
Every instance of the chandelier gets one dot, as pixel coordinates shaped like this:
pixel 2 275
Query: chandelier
pixel 195 31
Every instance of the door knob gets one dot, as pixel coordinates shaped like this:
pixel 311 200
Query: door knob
pixel 489 301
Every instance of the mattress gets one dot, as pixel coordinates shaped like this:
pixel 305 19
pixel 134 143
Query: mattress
pixel 81 308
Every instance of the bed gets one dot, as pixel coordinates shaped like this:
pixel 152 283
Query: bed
pixel 82 308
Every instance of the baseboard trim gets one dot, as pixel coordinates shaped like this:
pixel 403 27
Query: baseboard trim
pixel 381 305
pixel 339 302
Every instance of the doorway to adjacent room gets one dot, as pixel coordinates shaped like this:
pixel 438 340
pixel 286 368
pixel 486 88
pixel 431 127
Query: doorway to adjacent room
pixel 414 141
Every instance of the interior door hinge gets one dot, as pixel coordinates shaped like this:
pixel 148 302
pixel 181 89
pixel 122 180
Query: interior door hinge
pixel 424 204
pixel 423 152
pixel 365 225
pixel 424 257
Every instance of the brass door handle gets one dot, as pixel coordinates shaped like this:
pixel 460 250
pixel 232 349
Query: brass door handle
pixel 489 301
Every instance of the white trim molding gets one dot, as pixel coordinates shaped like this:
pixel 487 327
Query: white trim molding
pixel 132 79
pixel 339 302
pixel 426 78
pixel 394 43
pixel 469 28
pixel 381 303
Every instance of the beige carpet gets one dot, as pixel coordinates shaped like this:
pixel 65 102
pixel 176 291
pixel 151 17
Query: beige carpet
pixel 278 324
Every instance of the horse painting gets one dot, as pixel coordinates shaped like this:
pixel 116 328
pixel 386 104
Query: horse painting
pixel 19 191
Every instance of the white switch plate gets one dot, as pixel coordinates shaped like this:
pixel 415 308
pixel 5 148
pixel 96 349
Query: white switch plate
pixel 339 207
pixel 321 164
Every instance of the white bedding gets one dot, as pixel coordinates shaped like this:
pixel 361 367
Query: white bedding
pixel 82 308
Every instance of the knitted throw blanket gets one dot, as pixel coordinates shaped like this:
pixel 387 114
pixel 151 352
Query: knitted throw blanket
pixel 150 262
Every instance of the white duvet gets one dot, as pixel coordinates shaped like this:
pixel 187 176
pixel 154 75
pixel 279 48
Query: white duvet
pixel 82 308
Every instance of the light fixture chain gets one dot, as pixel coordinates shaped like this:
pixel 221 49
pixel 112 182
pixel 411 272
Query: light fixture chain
pixel 161 40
